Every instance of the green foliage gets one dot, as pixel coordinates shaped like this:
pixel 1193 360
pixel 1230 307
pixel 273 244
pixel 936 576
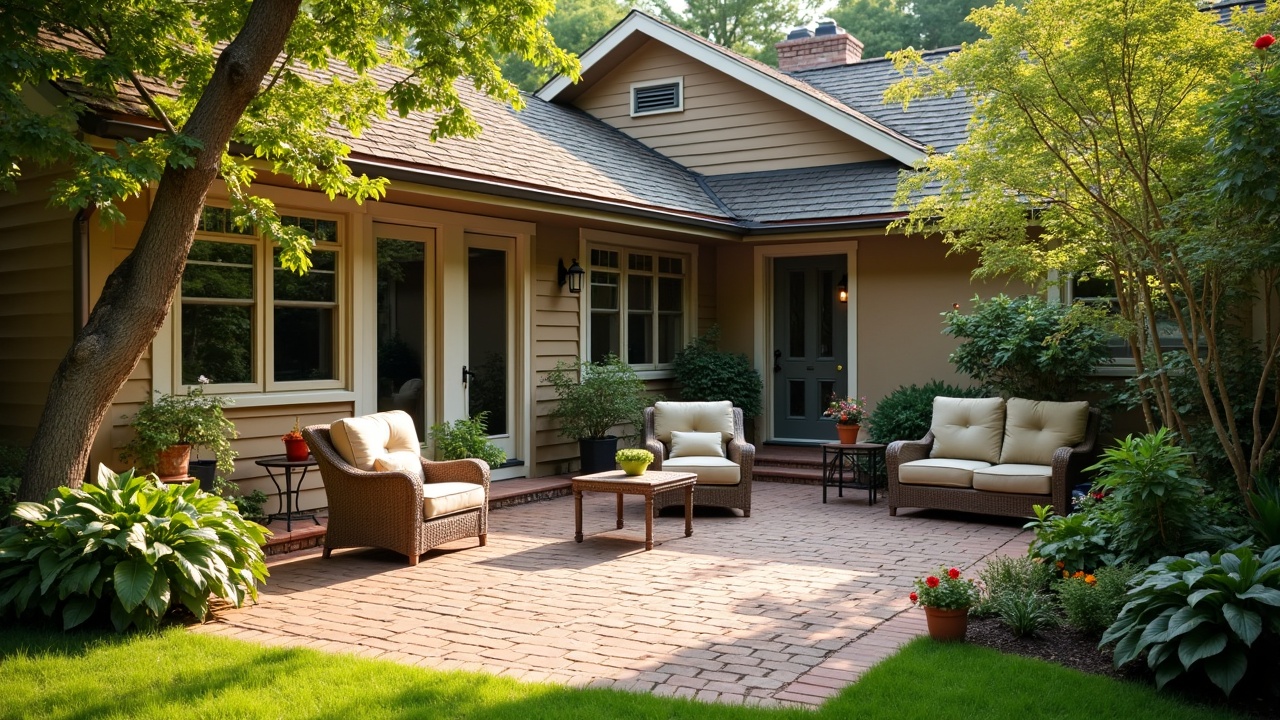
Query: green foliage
pixel 1026 614
pixel 1071 543
pixel 12 459
pixel 1245 129
pixel 608 394
pixel 131 546
pixel 706 373
pixel 194 418
pixel 8 494
pixel 575 25
pixel 637 455
pixel 249 505
pixel 945 589
pixel 1156 504
pixel 1016 575
pixel 465 438
pixel 1203 613
pixel 1265 522
pixel 886 25
pixel 1092 603
pixel 1030 348
pixel 750 27
pixel 906 413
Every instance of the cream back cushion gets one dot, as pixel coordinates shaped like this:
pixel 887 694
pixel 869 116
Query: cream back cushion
pixel 693 417
pixel 361 440
pixel 967 428
pixel 404 461
pixel 696 444
pixel 1035 429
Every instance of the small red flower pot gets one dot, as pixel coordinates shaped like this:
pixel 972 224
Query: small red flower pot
pixel 296 450
pixel 947 625
pixel 848 434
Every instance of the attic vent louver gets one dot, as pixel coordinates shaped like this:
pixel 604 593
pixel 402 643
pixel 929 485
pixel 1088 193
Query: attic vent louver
pixel 657 97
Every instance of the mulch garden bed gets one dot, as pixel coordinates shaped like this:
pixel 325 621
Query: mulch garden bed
pixel 1065 646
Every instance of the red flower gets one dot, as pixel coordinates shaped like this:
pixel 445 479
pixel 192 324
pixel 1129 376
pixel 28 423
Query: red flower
pixel 914 597
pixel 1265 41
pixel 954 574
pixel 932 581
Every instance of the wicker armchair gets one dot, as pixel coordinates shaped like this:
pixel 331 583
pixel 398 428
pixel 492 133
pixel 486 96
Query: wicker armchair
pixel 713 487
pixel 388 509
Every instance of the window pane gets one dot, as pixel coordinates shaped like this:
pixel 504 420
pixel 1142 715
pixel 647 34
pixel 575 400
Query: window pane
pixel 670 294
pixel 217 342
pixel 826 393
pixel 487 336
pixel 795 314
pixel 604 335
pixel 639 338
pixel 318 285
pixel 218 270
pixel 639 293
pixel 795 399
pixel 402 292
pixel 604 291
pixel 826 310
pixel 642 263
pixel 604 258
pixel 304 340
pixel 670 336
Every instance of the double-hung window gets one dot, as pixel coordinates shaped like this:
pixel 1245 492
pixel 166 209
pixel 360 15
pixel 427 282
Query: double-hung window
pixel 247 324
pixel 637 306
pixel 1101 291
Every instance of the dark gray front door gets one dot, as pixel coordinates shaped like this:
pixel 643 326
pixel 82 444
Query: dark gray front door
pixel 810 329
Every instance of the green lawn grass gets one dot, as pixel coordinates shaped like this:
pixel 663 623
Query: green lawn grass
pixel 175 674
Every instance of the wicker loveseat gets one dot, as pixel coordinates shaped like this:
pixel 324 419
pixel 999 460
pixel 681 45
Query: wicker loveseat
pixel 382 493
pixel 707 439
pixel 988 455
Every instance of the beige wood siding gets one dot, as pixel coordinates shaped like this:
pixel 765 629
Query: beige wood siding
pixel 904 285
pixel 259 432
pixel 555 338
pixel 726 126
pixel 36 302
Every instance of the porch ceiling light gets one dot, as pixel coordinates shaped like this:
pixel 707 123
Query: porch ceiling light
pixel 572 275
pixel 842 290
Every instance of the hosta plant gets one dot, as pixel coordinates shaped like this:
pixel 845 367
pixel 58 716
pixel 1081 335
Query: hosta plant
pixel 1201 612
pixel 129 546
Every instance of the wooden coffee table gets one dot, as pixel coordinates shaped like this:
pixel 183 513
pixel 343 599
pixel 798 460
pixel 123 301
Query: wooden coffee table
pixel 616 481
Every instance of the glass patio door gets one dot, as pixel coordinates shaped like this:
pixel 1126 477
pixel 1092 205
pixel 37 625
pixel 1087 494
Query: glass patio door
pixel 489 375
pixel 404 290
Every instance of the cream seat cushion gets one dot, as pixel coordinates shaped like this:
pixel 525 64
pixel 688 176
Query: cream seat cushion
pixel 1035 429
pixel 450 497
pixel 710 470
pixel 967 428
pixel 362 440
pixel 692 444
pixel 693 417
pixel 943 472
pixel 1014 478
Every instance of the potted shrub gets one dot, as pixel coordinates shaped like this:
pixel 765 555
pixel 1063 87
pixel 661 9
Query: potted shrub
pixel 168 427
pixel 946 598
pixel 594 397
pixel 465 438
pixel 849 415
pixel 295 447
pixel 634 461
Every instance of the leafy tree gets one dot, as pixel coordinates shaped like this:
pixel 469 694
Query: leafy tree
pixel 1090 112
pixel 887 25
pixel 253 72
pixel 750 27
pixel 575 25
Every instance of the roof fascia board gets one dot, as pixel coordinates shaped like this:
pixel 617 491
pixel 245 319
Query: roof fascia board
pixel 637 22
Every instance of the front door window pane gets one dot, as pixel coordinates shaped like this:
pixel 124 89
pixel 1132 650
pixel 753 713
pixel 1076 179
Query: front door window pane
pixel 795 314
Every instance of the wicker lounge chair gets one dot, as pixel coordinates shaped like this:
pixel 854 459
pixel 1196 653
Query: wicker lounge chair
pixel 386 506
pixel 724 471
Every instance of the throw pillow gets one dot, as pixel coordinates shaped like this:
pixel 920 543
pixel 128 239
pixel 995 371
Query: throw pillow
pixel 403 461
pixel 689 444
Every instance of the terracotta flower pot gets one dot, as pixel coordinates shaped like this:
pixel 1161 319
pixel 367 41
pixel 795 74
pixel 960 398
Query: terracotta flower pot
pixel 296 450
pixel 848 434
pixel 947 625
pixel 173 461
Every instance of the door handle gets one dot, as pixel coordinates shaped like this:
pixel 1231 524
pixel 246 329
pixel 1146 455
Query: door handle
pixel 467 374
pixel 777 366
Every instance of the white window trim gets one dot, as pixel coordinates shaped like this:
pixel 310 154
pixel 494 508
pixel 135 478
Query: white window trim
pixel 631 96
pixel 264 316
pixel 625 243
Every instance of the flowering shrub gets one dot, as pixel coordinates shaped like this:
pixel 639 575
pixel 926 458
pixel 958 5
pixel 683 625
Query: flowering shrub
pixel 847 411
pixel 945 590
pixel 1092 602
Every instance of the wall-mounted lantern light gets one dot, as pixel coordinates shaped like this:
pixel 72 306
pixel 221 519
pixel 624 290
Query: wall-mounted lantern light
pixel 572 275
pixel 842 290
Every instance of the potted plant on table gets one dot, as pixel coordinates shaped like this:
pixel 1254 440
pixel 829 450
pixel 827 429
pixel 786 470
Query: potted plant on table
pixel 946 598
pixel 849 415
pixel 168 427
pixel 295 447
pixel 594 397
pixel 634 461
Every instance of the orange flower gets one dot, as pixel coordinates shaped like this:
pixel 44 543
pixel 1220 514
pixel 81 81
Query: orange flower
pixel 1066 574
pixel 1060 564
pixel 1090 579
pixel 1077 574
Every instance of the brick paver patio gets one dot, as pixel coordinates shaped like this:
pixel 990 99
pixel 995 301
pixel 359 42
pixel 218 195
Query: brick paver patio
pixel 787 606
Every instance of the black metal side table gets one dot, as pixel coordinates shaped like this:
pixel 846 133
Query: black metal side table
pixel 837 457
pixel 290 493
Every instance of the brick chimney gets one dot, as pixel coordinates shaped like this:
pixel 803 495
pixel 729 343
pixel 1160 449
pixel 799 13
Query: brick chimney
pixel 829 46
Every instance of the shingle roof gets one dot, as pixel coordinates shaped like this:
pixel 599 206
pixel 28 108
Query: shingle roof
pixel 939 122
pixel 835 191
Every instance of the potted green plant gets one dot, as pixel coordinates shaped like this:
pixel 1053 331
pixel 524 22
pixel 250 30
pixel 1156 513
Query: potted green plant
pixel 634 461
pixel 593 398
pixel 946 598
pixel 168 427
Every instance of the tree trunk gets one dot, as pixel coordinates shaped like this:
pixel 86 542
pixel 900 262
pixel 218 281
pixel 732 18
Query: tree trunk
pixel 138 293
